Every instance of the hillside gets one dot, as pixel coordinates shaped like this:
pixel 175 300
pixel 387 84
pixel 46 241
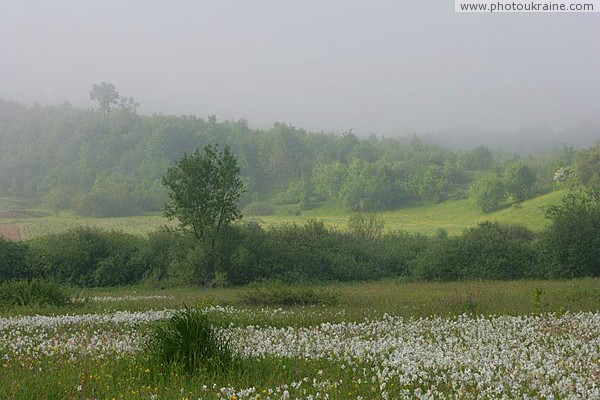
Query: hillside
pixel 453 216
pixel 110 164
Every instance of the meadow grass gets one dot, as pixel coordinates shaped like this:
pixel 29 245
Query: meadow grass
pixel 453 216
pixel 354 301
pixel 54 362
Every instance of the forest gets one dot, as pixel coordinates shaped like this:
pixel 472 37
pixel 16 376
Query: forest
pixel 109 161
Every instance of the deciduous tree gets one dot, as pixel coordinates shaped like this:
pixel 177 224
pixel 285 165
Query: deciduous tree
pixel 204 190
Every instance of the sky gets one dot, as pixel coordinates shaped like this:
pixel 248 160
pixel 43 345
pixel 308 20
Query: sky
pixel 388 67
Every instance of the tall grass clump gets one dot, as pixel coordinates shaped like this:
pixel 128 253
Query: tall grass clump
pixel 35 292
pixel 190 341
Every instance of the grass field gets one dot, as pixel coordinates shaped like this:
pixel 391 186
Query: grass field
pixel 383 340
pixel 454 216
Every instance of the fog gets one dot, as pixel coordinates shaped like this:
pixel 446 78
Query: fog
pixel 388 67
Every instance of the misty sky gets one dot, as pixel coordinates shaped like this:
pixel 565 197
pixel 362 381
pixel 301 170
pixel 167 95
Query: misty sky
pixel 389 67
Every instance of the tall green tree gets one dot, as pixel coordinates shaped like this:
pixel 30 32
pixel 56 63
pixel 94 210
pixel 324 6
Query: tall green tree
pixel 204 190
pixel 519 180
pixel 106 95
pixel 487 193
pixel 587 166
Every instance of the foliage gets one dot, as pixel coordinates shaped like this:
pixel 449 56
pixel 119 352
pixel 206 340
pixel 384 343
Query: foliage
pixel 366 225
pixel 111 162
pixel 571 244
pixel 489 251
pixel 278 294
pixel 58 199
pixel 190 341
pixel 164 252
pixel 587 166
pixel 480 158
pixel 314 252
pixel 329 178
pixel 34 292
pixel 487 194
pixel 13 260
pixel 519 180
pixel 88 257
pixel 434 185
pixel 105 94
pixel 204 190
pixel 438 261
pixel 494 251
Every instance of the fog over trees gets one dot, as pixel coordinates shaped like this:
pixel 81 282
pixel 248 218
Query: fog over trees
pixel 386 67
pixel 109 161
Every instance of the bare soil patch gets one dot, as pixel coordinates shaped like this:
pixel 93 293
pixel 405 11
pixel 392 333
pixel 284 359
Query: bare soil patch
pixel 10 231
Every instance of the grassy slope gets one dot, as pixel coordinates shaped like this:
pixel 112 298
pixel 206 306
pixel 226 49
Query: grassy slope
pixel 454 216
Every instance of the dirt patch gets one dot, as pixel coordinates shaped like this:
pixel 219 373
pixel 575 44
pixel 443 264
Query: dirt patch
pixel 10 231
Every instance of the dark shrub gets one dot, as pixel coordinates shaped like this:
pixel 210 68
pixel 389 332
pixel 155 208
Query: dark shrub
pixel 312 252
pixel 88 257
pixel 35 292
pixel 571 245
pixel 494 251
pixel 488 251
pixel 164 252
pixel 438 262
pixel 13 261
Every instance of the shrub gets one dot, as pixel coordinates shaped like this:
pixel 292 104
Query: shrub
pixel 35 292
pixel 488 251
pixel 495 251
pixel 190 341
pixel 487 194
pixel 438 261
pixel 13 261
pixel 587 166
pixel 312 252
pixel 480 158
pixel 88 257
pixel 519 180
pixel 278 294
pixel 571 244
pixel 366 225
pixel 164 251
pixel 293 195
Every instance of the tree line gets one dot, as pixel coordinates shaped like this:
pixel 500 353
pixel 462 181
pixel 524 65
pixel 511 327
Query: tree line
pixel 246 252
pixel 109 161
pixel 208 247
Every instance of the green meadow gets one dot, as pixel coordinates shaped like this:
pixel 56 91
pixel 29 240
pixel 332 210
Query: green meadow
pixel 381 340
pixel 453 216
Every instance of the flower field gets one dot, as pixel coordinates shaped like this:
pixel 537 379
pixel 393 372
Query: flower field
pixel 102 356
